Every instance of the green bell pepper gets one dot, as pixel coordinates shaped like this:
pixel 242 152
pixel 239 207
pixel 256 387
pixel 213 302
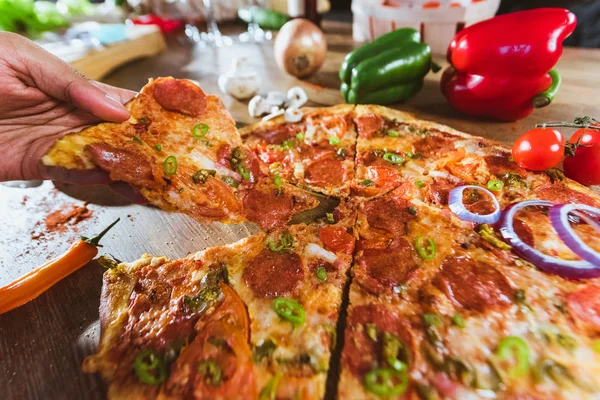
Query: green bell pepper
pixel 264 17
pixel 386 71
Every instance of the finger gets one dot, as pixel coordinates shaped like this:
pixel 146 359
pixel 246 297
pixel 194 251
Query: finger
pixel 59 80
pixel 88 177
pixel 121 95
pixel 128 192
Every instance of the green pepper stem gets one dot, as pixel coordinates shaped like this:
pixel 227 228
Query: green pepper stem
pixel 546 97
pixel 95 241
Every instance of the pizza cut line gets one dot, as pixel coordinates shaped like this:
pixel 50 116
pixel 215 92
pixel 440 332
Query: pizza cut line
pixel 442 304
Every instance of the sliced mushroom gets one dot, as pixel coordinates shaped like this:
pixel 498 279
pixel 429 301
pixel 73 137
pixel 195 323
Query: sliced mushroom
pixel 275 112
pixel 275 99
pixel 293 114
pixel 257 106
pixel 296 97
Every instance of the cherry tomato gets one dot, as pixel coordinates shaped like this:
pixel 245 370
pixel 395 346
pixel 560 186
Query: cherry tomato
pixel 539 149
pixel 584 166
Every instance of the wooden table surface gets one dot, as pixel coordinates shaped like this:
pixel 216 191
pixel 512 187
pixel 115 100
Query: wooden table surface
pixel 43 343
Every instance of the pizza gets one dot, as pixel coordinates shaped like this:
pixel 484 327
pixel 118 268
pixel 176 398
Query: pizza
pixel 316 153
pixel 181 150
pixel 445 272
pixel 252 319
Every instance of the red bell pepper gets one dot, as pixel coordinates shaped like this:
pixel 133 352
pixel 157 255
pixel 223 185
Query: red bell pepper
pixel 501 67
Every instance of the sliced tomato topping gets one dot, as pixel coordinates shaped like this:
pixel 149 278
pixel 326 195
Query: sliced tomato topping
pixel 337 239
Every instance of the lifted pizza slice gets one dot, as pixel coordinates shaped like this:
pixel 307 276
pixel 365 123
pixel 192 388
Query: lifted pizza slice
pixel 254 319
pixel 181 150
pixel 316 152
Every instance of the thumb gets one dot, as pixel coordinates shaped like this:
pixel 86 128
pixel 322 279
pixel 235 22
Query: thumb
pixel 59 80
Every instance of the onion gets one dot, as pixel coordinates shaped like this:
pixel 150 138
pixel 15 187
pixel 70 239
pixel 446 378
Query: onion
pixel 559 216
pixel 566 268
pixel 300 48
pixel 455 202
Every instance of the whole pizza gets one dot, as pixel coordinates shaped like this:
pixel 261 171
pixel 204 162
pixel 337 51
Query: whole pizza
pixel 445 271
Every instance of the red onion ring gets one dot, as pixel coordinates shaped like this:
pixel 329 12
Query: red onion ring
pixel 567 268
pixel 559 216
pixel 457 206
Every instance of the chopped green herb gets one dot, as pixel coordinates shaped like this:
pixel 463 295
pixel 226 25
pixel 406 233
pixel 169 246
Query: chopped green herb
pixel 489 235
pixel 211 372
pixel 432 319
pixel 277 180
pixel 410 128
pixel 330 218
pixel 419 184
pixel 158 147
pixel 565 341
pixel 300 136
pixel 322 274
pixel 290 310
pixel 393 158
pixel 393 133
pixel 513 180
pixel 367 183
pixel 137 140
pixel 334 140
pixel 408 154
pixel 495 185
pixel 149 367
pixel 458 321
pixel 264 350
pixel 231 181
pixel 395 352
pixel 199 131
pixel 461 370
pixel 288 144
pixel 428 252
pixel 412 210
pixel 170 165
pixel 371 331
pixel 286 242
pixel 202 175
pixel 217 342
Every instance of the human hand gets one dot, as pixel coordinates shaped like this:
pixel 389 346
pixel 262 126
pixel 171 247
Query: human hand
pixel 42 99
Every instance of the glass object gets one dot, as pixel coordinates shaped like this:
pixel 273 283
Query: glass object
pixel 254 34
pixel 213 36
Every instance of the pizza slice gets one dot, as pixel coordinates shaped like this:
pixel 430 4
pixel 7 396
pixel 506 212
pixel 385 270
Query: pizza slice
pixel 181 150
pixel 254 319
pixel 316 153
pixel 436 312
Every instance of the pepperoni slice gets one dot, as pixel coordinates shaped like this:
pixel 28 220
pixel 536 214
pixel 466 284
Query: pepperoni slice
pixel 384 177
pixel 273 274
pixel 433 145
pixel 559 193
pixel 439 190
pixel 180 96
pixel 524 232
pixel 276 134
pixel 501 164
pixel 361 353
pixel 328 172
pixel 585 306
pixel 337 238
pixel 381 268
pixel 122 164
pixel 389 214
pixel 368 125
pixel 268 209
pixel 474 285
